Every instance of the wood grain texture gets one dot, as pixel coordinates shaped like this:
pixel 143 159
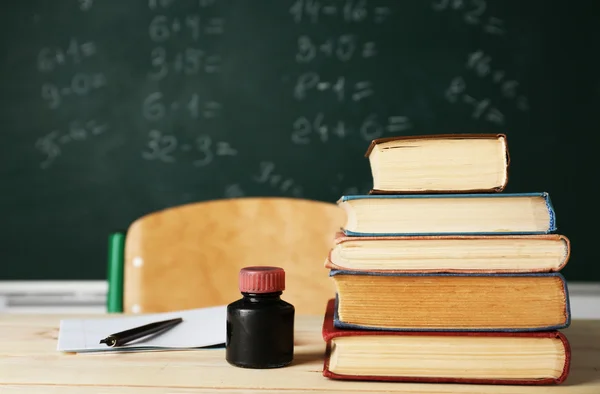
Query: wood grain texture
pixel 45 389
pixel 189 256
pixel 29 363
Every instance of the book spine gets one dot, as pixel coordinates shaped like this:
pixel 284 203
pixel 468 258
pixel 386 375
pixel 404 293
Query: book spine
pixel 545 195
pixel 551 212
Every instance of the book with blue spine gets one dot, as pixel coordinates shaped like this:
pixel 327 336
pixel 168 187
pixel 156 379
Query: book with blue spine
pixel 448 214
pixel 394 301
pixel 418 258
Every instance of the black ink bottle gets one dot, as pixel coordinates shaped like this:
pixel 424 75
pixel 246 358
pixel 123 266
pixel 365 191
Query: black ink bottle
pixel 260 326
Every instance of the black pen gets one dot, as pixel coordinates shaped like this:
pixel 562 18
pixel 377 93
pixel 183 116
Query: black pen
pixel 123 337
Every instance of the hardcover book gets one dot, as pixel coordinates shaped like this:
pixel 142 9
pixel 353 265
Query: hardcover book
pixel 450 253
pixel 437 163
pixel 518 358
pixel 459 214
pixel 450 302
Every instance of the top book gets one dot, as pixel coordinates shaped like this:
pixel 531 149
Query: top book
pixel 440 163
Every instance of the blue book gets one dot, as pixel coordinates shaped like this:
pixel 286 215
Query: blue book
pixel 450 302
pixel 452 214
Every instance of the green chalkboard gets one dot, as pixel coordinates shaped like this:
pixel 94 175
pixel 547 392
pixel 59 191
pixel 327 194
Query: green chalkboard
pixel 112 109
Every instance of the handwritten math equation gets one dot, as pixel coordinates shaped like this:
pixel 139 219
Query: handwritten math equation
pixel 75 56
pixel 192 62
pixel 202 150
pixel 480 65
pixel 347 47
pixel 53 143
pixel 331 66
pixel 473 12
pixel 267 175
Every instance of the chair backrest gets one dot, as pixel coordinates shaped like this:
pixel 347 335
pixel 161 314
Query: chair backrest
pixel 189 256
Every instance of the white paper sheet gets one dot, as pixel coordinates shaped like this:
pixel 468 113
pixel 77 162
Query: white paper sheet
pixel 199 328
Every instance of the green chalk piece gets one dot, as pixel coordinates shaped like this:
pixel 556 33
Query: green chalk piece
pixel 116 251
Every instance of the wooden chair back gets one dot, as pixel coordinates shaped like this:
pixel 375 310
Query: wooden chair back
pixel 190 256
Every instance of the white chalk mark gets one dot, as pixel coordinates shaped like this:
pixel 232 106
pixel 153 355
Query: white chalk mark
pixel 480 108
pixel 323 85
pixel 457 86
pixel 224 149
pixel 494 26
pixel 498 75
pixel 398 123
pixel 495 116
pixel 469 99
pixel 215 26
pixel 234 191
pixel 363 90
pixel 381 13
pixel 369 49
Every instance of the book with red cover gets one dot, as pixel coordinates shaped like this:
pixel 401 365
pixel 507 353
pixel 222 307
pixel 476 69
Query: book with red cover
pixel 329 333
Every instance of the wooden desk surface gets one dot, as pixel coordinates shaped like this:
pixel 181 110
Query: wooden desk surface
pixel 29 363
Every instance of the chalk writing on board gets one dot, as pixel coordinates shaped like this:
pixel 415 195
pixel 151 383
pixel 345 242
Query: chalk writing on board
pixel 473 13
pixel 480 63
pixel 160 147
pixel 188 62
pixel 234 191
pixel 80 84
pixel 340 189
pixel 346 48
pixel 306 129
pixel 156 4
pixel 349 11
pixel 339 87
pixel 71 55
pixel 375 127
pixel 163 28
pixel 267 174
pixel 75 52
pixel 343 48
pixel 155 107
pixel 202 151
pixel 192 61
pixel 85 5
pixel 481 108
pixel 51 145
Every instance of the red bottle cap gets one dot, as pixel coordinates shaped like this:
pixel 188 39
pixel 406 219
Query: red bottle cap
pixel 261 279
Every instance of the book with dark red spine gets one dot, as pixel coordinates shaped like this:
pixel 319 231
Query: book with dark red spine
pixel 516 358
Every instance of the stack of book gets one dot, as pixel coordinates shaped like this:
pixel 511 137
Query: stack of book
pixel 440 276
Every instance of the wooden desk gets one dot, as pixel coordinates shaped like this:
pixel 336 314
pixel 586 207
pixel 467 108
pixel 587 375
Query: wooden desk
pixel 29 363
